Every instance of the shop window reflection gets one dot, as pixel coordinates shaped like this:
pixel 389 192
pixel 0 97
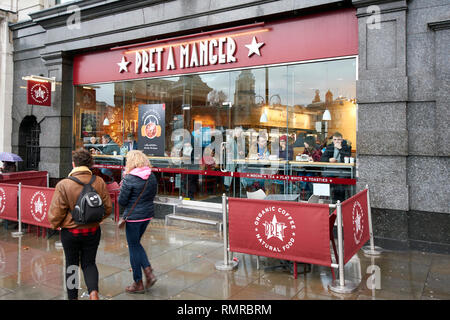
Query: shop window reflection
pixel 283 101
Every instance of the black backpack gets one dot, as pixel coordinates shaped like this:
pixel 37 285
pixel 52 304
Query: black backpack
pixel 89 207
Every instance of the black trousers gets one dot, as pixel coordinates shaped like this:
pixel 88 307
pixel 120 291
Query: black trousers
pixel 80 249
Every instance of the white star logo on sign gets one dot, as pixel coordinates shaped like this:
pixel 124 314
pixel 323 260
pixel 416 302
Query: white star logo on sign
pixel 123 65
pixel 254 47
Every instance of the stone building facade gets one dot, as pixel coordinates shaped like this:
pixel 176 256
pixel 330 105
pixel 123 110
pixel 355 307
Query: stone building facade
pixel 402 90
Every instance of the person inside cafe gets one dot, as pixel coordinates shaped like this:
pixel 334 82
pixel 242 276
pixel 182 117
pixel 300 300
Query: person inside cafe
pixel 92 146
pixel 337 150
pixel 189 182
pixel 235 150
pixel 335 153
pixel 8 166
pixel 260 151
pixel 130 143
pixel 312 149
pixel 210 162
pixel 109 146
pixel 284 152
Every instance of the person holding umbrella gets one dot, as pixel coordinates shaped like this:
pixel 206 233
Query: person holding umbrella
pixel 9 162
pixel 8 167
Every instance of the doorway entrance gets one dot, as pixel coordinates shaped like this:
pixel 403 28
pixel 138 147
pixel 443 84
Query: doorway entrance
pixel 29 148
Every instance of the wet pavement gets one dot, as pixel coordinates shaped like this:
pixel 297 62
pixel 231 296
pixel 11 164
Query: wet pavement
pixel 184 258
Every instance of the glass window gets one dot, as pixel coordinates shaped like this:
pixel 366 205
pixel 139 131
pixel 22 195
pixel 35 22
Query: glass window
pixel 98 116
pixel 262 113
pixel 322 100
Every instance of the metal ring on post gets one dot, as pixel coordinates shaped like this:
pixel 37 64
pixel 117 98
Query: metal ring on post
pixel 371 249
pixel 226 264
pixel 19 233
pixel 341 285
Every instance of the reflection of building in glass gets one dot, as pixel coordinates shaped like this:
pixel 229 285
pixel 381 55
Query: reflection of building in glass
pixel 190 90
pixel 343 115
pixel 244 94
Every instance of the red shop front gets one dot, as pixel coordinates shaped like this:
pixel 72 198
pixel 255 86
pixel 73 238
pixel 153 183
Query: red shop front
pixel 211 109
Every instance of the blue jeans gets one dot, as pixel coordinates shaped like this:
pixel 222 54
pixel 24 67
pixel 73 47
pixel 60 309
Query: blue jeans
pixel 138 256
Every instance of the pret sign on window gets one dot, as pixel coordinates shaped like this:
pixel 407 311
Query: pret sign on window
pixel 39 93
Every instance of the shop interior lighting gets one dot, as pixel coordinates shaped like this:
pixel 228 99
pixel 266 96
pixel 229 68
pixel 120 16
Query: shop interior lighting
pixel 326 115
pixel 263 116
pixel 106 122
pixel 186 106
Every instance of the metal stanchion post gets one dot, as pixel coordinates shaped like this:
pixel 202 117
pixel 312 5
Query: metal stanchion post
pixel 19 233
pixel 343 286
pixel 370 250
pixel 19 261
pixel 226 264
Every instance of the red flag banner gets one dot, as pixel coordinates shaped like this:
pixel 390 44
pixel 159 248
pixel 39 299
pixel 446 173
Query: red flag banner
pixel 35 202
pixel 355 218
pixel 279 229
pixel 8 202
pixel 39 93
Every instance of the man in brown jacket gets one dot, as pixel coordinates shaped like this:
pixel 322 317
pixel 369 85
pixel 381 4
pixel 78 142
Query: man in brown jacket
pixel 80 242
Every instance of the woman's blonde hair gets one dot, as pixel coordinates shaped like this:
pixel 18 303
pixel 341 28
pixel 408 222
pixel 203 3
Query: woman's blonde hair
pixel 136 159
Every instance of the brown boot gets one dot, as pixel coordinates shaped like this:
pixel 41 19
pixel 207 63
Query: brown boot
pixel 93 295
pixel 150 278
pixel 136 287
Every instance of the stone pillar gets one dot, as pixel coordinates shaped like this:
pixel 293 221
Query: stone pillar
pixel 403 120
pixel 56 126
pixel 382 133
pixel 6 80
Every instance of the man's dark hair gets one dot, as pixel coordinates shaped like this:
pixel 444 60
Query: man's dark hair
pixel 9 167
pixel 107 136
pixel 82 157
pixel 337 134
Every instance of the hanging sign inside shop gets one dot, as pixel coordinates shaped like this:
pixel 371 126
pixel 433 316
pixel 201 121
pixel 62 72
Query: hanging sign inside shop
pixel 39 93
pixel 151 133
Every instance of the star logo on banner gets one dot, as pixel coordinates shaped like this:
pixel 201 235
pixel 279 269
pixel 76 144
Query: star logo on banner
pixel 39 93
pixel 274 229
pixel 254 47
pixel 38 206
pixel 123 65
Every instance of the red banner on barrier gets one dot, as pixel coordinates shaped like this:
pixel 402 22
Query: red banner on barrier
pixel 29 178
pixel 279 229
pixel 8 202
pixel 35 202
pixel 355 217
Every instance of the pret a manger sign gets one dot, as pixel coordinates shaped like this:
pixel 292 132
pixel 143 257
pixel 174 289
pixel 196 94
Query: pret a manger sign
pixel 324 35
pixel 203 53
pixel 189 55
